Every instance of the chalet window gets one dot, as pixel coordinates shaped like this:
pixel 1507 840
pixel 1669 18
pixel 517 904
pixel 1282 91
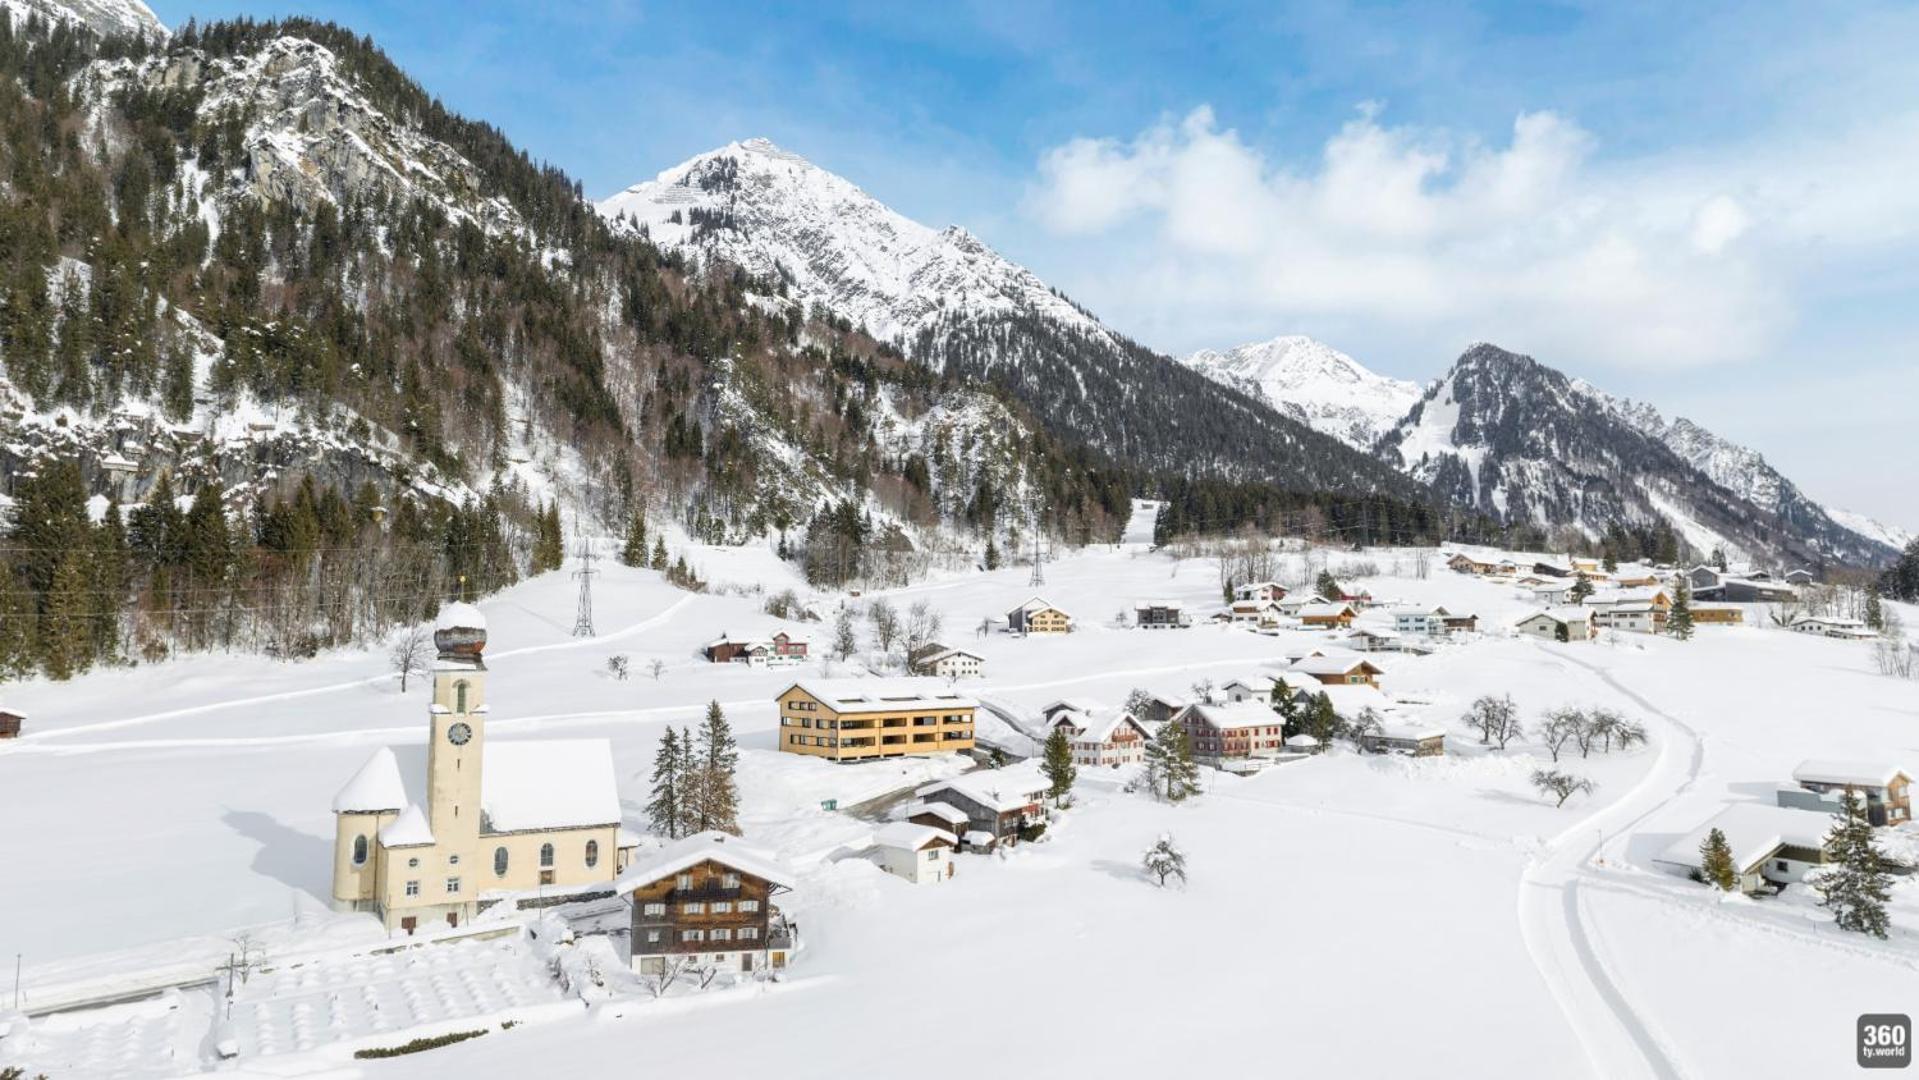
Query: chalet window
pixel 692 935
pixel 592 853
pixel 693 907
pixel 749 905
pixel 653 937
pixel 546 855
pixel 748 933
pixel 730 881
pixel 499 862
pixel 684 881
pixel 359 850
pixel 932 854
pixel 722 935
pixel 413 888
pixel 721 907
pixel 452 884
pixel 655 908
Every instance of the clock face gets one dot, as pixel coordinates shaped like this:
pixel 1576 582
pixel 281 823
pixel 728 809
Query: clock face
pixel 458 734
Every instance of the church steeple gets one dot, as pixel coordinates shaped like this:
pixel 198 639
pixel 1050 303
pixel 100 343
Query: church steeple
pixel 456 743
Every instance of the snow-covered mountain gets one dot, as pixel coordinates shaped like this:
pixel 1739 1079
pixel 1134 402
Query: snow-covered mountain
pixel 1893 536
pixel 810 240
pixel 1314 383
pixel 1508 435
pixel 782 218
pixel 105 17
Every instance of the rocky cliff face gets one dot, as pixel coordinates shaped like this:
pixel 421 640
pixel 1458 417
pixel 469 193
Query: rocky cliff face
pixel 1314 383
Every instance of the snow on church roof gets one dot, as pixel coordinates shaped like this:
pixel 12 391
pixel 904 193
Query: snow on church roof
pixel 410 829
pixel 549 784
pixel 376 787
pixel 459 615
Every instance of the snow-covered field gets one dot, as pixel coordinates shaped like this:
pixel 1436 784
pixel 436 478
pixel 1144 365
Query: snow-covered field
pixel 1346 915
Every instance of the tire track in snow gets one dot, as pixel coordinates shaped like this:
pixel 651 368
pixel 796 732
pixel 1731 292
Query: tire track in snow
pixel 1557 934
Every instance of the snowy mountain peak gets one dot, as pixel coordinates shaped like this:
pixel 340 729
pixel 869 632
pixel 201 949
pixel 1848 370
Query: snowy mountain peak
pixel 1313 382
pixel 779 217
pixel 105 17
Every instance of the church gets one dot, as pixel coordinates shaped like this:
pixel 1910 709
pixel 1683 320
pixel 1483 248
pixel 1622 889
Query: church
pixel 492 822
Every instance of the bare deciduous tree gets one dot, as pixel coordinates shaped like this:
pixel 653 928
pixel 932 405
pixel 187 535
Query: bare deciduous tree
pixel 412 651
pixel 617 666
pixel 1496 719
pixel 656 667
pixel 1561 726
pixel 1561 786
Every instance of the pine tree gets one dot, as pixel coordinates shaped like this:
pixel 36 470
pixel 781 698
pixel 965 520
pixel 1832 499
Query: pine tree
pixel 1322 722
pixel 716 763
pixel 659 553
pixel 1057 765
pixel 66 644
pixel 666 809
pixel 1287 706
pixel 1715 862
pixel 1328 586
pixel 19 628
pixel 634 553
pixel 1679 619
pixel 1582 589
pixel 1855 885
pixel 1875 611
pixel 1170 771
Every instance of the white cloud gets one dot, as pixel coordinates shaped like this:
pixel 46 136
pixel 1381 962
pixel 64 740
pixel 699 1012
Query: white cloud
pixel 1536 243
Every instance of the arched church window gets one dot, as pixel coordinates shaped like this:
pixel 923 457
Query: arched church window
pixel 459 697
pixel 546 854
pixel 592 853
pixel 359 850
pixel 499 862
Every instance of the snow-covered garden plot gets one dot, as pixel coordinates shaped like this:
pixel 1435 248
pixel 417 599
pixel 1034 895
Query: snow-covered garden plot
pixel 161 1036
pixel 1443 899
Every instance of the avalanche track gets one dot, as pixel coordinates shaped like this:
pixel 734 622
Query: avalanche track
pixel 1552 918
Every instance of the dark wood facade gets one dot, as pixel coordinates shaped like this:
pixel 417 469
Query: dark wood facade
pixel 709 908
pixel 10 723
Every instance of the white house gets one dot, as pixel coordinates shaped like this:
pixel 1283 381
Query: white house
pixel 949 664
pixel 1886 787
pixel 1261 613
pixel 1769 844
pixel 921 854
pixel 1260 590
pixel 1102 738
pixel 1558 624
pixel 1249 688
pixel 1430 622
pixel 1826 626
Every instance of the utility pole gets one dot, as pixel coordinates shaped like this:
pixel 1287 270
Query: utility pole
pixel 583 620
pixel 16 982
pixel 1039 575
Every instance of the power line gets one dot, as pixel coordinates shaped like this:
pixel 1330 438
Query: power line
pixel 583 619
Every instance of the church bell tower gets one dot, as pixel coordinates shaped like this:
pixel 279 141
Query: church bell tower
pixel 457 742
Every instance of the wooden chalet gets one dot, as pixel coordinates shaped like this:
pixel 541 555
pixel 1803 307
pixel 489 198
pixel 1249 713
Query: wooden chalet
pixel 707 901
pixel 998 803
pixel 1340 670
pixel 1036 616
pixel 1238 731
pixel 1336 614
pixel 10 723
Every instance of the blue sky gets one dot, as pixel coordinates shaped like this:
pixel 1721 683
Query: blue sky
pixel 1704 205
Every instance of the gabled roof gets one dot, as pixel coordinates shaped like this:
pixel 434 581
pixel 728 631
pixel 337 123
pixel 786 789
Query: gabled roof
pixel 1039 604
pixel 1754 831
pixel 410 829
pixel 683 854
pixel 1856 773
pixel 854 695
pixel 1081 705
pixel 1236 715
pixel 1010 788
pixel 936 657
pixel 549 784
pixel 1335 665
pixel 1419 612
pixel 1099 727
pixel 905 834
pixel 1410 729
pixel 950 814
pixel 376 788
pixel 1325 610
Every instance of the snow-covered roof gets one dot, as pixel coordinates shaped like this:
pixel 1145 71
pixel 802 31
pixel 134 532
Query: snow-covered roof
pixel 1039 604
pixel 1302 739
pixel 1080 705
pixel 376 788
pixel 1420 612
pixel 1753 831
pixel 934 658
pixel 1324 610
pixel 1562 614
pixel 1237 714
pixel 884 695
pixel 628 839
pixel 727 850
pixel 1100 727
pixel 410 829
pixel 1260 684
pixel 1334 665
pixel 905 834
pixel 1001 790
pixel 1875 774
pixel 980 838
pixel 950 814
pixel 459 615
pixel 549 784
pixel 1396 729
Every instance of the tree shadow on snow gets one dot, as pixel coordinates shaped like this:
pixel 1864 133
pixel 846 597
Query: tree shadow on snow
pixel 297 860
pixel 1122 871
